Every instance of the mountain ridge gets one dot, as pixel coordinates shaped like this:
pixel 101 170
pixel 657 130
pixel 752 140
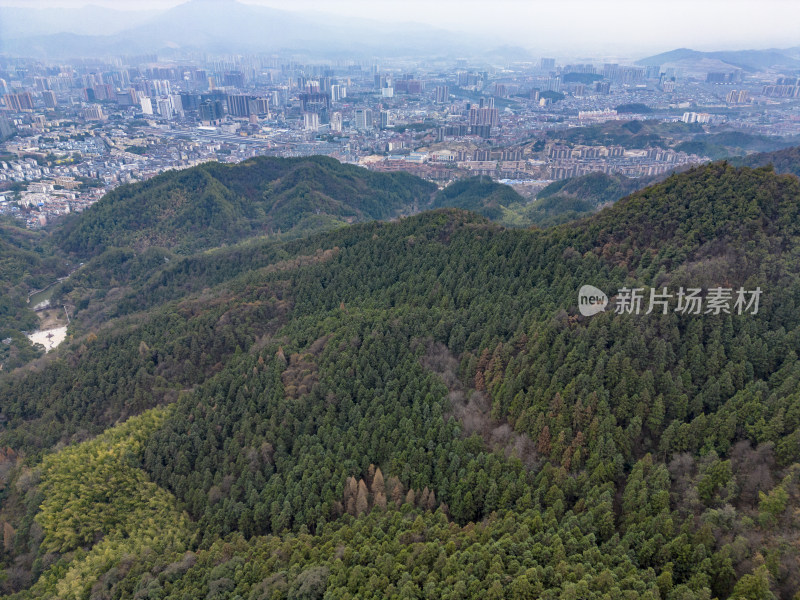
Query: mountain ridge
pixel 749 60
pixel 235 26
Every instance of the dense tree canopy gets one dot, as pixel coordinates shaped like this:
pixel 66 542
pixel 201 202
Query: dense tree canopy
pixel 417 409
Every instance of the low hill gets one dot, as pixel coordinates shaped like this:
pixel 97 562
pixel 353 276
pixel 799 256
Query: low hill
pixel 572 198
pixel 481 195
pixel 690 138
pixel 214 204
pixel 595 189
pixel 576 197
pixel 784 161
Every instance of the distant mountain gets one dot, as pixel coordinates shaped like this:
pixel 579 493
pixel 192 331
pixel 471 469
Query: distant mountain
pixel 749 60
pixel 23 22
pixel 226 26
pixel 214 204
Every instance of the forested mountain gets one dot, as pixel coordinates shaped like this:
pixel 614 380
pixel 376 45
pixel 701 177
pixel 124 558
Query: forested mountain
pixel 481 195
pixel 687 137
pixel 784 161
pixel 27 263
pixel 214 204
pixel 418 409
pixel 574 197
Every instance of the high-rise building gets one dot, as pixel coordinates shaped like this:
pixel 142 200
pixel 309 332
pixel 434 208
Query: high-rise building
pixel 128 97
pixel 547 64
pixel 261 106
pixel 336 121
pixel 147 105
pixel 653 72
pixel 233 79
pixel 738 97
pixel 177 105
pixel 484 116
pixel 49 98
pixel 104 92
pixel 211 110
pixel 165 107
pixel 338 92
pixel 93 112
pixel 239 105
pixel 693 117
pixel 161 87
pixel 275 98
pixel 409 86
pixel 363 119
pixel 553 84
pixel 190 102
pixel 311 102
pixel 442 94
pixel 310 121
pixel 6 128
pixel 386 119
pixel 19 102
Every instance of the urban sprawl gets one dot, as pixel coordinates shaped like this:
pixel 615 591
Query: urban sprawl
pixel 71 132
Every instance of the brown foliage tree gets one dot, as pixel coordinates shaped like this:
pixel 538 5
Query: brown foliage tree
pixel 362 503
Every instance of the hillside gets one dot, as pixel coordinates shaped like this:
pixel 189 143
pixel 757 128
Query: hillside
pixel 633 134
pixel 27 262
pixel 493 200
pixel 784 161
pixel 417 409
pixel 690 138
pixel 575 197
pixel 214 204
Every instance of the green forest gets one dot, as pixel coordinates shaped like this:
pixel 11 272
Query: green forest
pixel 575 197
pixel 409 408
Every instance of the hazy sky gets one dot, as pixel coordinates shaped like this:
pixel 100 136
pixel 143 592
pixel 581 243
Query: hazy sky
pixel 541 24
